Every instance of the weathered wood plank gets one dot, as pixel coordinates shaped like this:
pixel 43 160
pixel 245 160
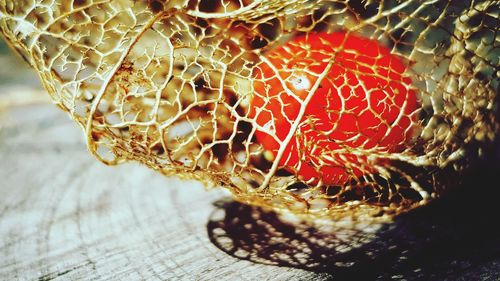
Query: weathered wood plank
pixel 63 215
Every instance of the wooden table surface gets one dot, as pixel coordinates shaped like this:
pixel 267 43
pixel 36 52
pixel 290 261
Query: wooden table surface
pixel 65 216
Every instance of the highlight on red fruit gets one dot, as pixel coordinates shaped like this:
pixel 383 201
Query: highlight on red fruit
pixel 364 104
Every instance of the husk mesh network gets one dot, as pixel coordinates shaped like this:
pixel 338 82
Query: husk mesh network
pixel 169 84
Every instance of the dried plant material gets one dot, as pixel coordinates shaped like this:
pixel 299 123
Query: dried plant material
pixel 171 84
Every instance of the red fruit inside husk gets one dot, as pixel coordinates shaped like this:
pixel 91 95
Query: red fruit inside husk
pixel 363 105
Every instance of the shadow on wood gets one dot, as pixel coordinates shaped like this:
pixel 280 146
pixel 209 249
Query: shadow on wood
pixel 454 238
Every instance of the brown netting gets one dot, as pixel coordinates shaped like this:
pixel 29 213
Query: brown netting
pixel 170 84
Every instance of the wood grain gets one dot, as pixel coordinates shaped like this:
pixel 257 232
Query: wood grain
pixel 65 216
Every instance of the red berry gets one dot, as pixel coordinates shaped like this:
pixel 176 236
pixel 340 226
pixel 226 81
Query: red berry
pixel 364 103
